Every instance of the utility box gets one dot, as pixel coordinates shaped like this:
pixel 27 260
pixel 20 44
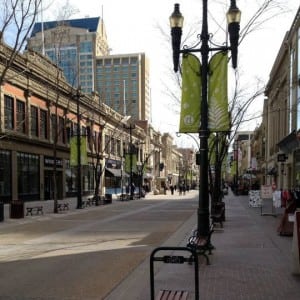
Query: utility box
pixel 16 209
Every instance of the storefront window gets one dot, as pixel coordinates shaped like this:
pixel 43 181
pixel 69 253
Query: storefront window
pixel 28 176
pixel 88 179
pixel 71 180
pixel 5 175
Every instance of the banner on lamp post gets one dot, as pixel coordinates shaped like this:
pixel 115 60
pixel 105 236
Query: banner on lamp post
pixel 233 168
pixel 73 151
pixel 127 162
pixel 191 94
pixel 218 115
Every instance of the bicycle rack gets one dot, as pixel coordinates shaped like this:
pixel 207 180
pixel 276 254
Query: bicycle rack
pixel 174 259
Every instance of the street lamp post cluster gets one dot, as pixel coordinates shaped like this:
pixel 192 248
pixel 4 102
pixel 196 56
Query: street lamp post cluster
pixel 176 23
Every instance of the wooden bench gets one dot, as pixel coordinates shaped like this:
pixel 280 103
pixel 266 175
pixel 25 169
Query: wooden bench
pixel 86 202
pixel 170 258
pixel 34 210
pixel 201 244
pixel 172 295
pixel 63 206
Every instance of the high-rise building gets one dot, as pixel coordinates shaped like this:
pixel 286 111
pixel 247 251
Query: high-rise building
pixel 80 48
pixel 123 82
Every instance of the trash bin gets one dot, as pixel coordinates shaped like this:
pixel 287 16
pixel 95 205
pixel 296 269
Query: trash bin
pixel 108 199
pixel 1 211
pixel 16 209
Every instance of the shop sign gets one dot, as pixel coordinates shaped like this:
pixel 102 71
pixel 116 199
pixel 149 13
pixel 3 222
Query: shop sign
pixel 281 157
pixel 49 162
pixel 266 192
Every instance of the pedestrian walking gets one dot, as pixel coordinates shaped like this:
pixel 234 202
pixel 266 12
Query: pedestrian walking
pixel 172 189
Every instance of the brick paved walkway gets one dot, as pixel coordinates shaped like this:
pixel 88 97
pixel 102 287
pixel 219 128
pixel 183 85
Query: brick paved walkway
pixel 251 261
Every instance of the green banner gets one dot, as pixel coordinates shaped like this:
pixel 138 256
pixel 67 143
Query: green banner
pixel 127 163
pixel 233 168
pixel 191 94
pixel 218 115
pixel 73 151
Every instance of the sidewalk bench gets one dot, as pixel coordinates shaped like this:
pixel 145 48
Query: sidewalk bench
pixel 165 294
pixel 107 199
pixel 218 217
pixel 86 202
pixel 201 244
pixel 172 295
pixel 63 206
pixel 91 200
pixel 34 210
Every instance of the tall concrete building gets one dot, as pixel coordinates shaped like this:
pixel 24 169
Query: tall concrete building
pixel 123 82
pixel 80 48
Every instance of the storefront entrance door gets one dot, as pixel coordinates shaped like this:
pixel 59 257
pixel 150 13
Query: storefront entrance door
pixel 49 185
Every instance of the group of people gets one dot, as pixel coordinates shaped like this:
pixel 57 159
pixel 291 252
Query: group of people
pixel 182 188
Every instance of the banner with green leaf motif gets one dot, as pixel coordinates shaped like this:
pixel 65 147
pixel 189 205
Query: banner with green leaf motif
pixel 218 115
pixel 191 94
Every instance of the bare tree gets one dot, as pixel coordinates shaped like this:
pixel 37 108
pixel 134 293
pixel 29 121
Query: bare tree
pixel 100 150
pixel 64 13
pixel 16 22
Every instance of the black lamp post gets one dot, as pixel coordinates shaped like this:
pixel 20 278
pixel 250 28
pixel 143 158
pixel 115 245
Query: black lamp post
pixel 139 167
pixel 78 136
pixel 130 128
pixel 236 144
pixel 176 23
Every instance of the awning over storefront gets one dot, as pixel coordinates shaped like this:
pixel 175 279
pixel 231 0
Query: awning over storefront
pixel 110 172
pixel 289 143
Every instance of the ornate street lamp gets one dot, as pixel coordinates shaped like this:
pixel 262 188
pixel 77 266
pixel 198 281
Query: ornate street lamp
pixel 176 23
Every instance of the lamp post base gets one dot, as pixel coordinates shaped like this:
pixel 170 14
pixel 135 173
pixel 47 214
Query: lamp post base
pixel 203 222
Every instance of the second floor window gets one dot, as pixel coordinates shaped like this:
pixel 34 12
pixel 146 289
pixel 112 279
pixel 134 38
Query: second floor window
pixel 54 129
pixel 9 112
pixel 43 124
pixel 61 130
pixel 20 116
pixel 34 121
